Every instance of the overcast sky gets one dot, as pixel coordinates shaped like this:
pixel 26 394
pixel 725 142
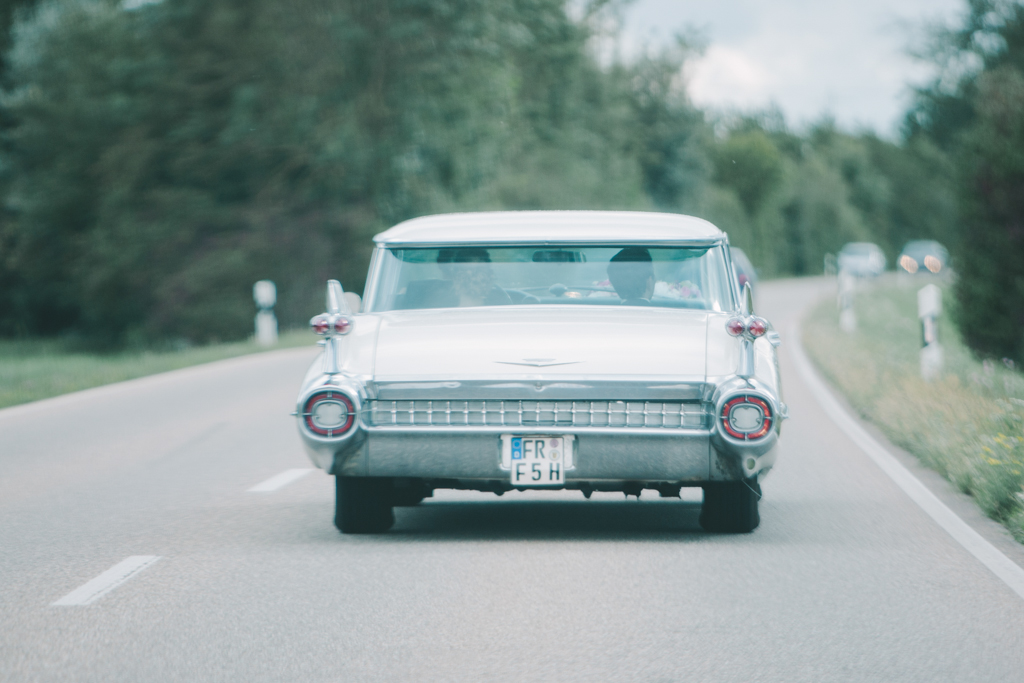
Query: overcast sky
pixel 810 57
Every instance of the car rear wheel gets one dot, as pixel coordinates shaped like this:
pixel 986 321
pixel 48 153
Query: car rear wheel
pixel 409 492
pixel 363 505
pixel 407 499
pixel 730 507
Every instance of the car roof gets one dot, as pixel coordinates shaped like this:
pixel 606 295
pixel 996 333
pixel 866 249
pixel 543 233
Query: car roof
pixel 860 247
pixel 552 227
pixel 923 244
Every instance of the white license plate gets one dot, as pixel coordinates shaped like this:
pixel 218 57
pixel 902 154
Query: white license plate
pixel 537 460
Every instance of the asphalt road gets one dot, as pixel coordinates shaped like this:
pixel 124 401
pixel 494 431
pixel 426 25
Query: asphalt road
pixel 845 580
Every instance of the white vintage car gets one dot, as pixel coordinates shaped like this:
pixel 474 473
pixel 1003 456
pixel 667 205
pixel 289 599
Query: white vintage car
pixel 597 351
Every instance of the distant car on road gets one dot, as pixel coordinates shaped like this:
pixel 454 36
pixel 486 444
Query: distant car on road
pixel 863 259
pixel 923 256
pixel 585 350
pixel 745 271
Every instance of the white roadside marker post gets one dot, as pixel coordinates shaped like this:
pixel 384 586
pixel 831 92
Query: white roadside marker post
pixel 829 265
pixel 264 293
pixel 847 318
pixel 929 308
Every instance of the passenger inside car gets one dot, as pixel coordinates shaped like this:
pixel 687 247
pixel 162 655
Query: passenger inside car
pixel 472 278
pixel 468 280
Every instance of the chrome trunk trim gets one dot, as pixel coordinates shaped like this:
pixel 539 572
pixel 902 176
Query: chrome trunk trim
pixel 541 414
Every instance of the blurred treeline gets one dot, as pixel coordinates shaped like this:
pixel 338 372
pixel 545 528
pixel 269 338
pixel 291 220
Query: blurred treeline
pixel 974 112
pixel 159 157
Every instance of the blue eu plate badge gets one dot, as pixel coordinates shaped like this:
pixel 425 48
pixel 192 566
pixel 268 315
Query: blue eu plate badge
pixel 537 460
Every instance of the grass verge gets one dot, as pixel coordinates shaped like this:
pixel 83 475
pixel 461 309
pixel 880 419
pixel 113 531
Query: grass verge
pixel 35 369
pixel 968 426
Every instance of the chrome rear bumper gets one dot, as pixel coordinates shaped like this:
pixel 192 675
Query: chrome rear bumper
pixel 664 433
pixel 600 454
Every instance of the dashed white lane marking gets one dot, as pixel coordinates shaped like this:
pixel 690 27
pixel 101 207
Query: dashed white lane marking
pixel 107 581
pixel 279 480
pixel 999 564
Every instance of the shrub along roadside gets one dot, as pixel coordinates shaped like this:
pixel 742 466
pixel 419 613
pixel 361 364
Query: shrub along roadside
pixel 38 369
pixel 968 426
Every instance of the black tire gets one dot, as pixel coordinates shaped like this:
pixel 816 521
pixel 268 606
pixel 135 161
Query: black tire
pixel 409 492
pixel 730 507
pixel 363 505
pixel 407 498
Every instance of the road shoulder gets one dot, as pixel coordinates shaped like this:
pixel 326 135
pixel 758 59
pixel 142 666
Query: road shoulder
pixel 104 390
pixel 960 504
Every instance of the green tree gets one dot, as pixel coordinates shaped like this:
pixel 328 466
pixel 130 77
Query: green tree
pixel 750 165
pixel 990 260
pixel 974 112
pixel 164 158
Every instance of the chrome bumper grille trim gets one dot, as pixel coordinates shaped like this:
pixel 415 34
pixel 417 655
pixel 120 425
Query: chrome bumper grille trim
pixel 653 415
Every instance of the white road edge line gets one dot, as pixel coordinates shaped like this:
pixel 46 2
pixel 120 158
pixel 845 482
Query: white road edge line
pixel 279 480
pixel 106 582
pixel 999 564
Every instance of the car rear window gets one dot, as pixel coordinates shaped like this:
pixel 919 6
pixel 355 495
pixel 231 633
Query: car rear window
pixel 632 275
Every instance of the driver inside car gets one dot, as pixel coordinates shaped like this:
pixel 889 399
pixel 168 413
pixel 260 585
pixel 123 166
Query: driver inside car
pixel 631 272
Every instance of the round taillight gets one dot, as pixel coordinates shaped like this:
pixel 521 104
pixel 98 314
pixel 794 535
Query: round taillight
pixel 757 327
pixel 746 418
pixel 324 324
pixel 735 326
pixel 908 263
pixel 329 413
pixel 321 324
pixel 933 264
pixel 342 325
